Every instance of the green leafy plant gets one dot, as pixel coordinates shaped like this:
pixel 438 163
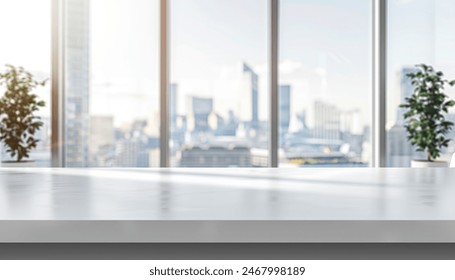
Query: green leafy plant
pixel 18 122
pixel 425 121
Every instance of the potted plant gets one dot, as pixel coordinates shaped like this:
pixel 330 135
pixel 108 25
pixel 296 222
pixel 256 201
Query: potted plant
pixel 18 122
pixel 425 122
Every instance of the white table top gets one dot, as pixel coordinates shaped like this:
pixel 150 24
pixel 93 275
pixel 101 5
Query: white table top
pixel 227 205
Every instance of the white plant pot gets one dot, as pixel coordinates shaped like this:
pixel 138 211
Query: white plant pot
pixel 15 164
pixel 429 164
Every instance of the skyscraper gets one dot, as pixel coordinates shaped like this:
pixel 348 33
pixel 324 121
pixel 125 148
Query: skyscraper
pixel 177 123
pixel 173 105
pixel 77 84
pixel 249 111
pixel 327 121
pixel 199 109
pixel 285 108
pixel 407 89
pixel 399 150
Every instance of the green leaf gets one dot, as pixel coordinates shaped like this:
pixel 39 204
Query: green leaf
pixel 426 108
pixel 19 123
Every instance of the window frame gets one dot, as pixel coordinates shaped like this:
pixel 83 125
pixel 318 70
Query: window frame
pixel 378 98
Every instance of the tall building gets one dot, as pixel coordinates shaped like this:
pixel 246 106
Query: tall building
pixel 77 70
pixel 199 109
pixel 285 108
pixel 133 146
pixel 249 107
pixel 131 152
pixel 399 151
pixel 231 125
pixel 177 123
pixel 327 121
pixel 173 105
pixel 407 90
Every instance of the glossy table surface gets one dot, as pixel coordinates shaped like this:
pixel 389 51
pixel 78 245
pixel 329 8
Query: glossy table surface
pixel 227 205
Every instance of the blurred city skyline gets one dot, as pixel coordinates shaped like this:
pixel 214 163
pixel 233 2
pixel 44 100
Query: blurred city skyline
pixel 325 56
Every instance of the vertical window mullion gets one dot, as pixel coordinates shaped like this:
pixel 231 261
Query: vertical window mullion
pixel 273 80
pixel 57 68
pixel 164 83
pixel 379 83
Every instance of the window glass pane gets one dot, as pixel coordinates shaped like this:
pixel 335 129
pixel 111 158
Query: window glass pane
pixel 25 27
pixel 218 95
pixel 419 31
pixel 111 83
pixel 325 83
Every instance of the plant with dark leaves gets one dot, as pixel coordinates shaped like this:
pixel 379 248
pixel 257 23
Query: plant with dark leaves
pixel 18 105
pixel 426 108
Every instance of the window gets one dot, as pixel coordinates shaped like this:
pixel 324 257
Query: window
pixel 26 42
pixel 218 94
pixel 111 83
pixel 419 31
pixel 219 71
pixel 325 83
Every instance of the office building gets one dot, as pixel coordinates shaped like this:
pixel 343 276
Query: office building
pixel 199 109
pixel 400 151
pixel 249 105
pixel 285 108
pixel 216 156
pixel 173 98
pixel 284 117
pixel 327 121
pixel 407 90
pixel 77 84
